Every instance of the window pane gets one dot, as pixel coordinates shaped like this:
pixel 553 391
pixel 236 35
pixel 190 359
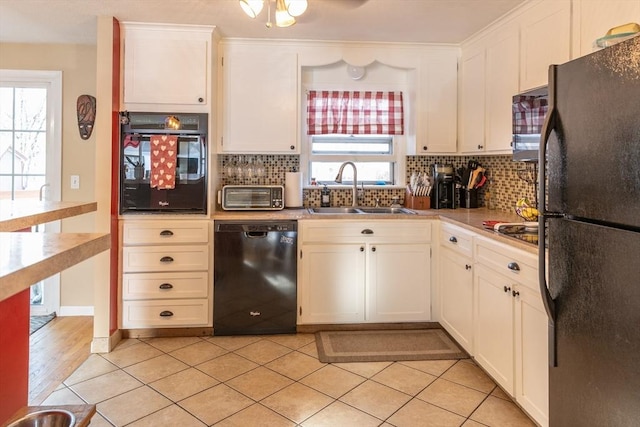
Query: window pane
pixel 31 108
pixel 368 172
pixel 30 152
pixel 351 145
pixel 6 153
pixel 6 108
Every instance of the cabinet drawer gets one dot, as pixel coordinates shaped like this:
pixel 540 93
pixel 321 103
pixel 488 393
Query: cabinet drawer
pixel 165 258
pixel 165 313
pixel 456 239
pixel 508 261
pixel 165 285
pixel 349 231
pixel 165 232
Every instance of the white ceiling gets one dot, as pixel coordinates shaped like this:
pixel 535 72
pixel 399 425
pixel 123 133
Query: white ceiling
pixel 421 21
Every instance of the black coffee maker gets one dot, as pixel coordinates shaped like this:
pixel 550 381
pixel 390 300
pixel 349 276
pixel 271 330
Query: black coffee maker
pixel 443 195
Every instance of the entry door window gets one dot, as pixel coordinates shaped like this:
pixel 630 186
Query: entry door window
pixel 30 153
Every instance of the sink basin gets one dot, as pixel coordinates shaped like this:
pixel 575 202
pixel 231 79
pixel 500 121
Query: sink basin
pixel 48 417
pixel 387 210
pixel 346 210
pixel 361 210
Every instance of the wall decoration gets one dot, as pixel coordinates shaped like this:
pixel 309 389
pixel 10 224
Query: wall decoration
pixel 86 107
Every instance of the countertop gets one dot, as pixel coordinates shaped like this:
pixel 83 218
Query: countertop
pixel 20 214
pixel 470 219
pixel 26 258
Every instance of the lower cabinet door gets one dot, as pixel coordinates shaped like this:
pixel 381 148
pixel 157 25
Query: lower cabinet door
pixel 164 313
pixel 456 295
pixel 398 282
pixel 494 326
pixel 331 283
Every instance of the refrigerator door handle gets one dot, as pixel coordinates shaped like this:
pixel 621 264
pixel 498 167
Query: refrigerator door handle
pixel 549 305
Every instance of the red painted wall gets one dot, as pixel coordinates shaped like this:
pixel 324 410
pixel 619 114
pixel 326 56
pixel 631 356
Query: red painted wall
pixel 14 354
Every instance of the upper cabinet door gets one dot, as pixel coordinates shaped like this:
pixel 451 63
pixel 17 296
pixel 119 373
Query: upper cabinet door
pixel 546 40
pixel 167 65
pixel 437 104
pixel 472 106
pixel 260 98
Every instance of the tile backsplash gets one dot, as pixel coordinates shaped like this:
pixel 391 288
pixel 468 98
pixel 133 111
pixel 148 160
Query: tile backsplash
pixel 506 176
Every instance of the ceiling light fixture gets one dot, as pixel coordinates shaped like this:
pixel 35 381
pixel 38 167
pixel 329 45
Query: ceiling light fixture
pixel 286 10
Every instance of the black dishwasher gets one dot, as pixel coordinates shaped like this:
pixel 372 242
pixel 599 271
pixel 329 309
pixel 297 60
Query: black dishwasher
pixel 255 272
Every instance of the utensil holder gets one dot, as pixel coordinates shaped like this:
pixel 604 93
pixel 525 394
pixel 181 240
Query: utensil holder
pixel 417 202
pixel 468 198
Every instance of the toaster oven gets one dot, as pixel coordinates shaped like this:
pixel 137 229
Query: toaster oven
pixel 252 197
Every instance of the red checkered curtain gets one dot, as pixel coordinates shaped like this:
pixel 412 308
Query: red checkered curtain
pixel 354 113
pixel 528 114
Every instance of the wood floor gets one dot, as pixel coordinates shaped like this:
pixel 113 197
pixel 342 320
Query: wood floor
pixel 55 351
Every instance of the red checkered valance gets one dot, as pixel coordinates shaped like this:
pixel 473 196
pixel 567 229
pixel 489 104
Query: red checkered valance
pixel 354 113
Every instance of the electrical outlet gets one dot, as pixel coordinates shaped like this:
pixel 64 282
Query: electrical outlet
pixel 75 182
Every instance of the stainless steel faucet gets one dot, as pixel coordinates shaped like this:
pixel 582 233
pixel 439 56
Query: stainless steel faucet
pixel 355 181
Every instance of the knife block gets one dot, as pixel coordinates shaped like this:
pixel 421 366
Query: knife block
pixel 417 202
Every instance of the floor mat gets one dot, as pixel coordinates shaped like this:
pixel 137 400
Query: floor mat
pixel 386 346
pixel 37 322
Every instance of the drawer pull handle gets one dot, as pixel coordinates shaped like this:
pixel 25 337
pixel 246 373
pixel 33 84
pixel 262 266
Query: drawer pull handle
pixel 513 266
pixel 166 233
pixel 166 286
pixel 515 293
pixel 506 288
pixel 453 239
pixel 367 231
pixel 166 313
pixel 166 259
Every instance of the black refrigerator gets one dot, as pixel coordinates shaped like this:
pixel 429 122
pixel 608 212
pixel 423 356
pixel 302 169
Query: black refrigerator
pixel 590 194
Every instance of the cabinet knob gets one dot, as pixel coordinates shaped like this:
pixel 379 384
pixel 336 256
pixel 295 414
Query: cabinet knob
pixel 425 148
pixel 515 293
pixel 480 147
pixel 361 248
pixel 513 266
pixel 200 99
pixel 166 233
pixel 166 286
pixel 373 249
pixel 467 267
pixel 367 231
pixel 292 147
pixel 453 239
pixel 166 313
pixel 506 288
pixel 166 259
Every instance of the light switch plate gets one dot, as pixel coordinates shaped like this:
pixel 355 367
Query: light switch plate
pixel 75 182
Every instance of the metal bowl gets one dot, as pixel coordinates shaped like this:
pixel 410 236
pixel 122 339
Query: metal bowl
pixel 46 418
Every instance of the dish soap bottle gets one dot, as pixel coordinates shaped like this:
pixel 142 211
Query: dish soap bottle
pixel 325 197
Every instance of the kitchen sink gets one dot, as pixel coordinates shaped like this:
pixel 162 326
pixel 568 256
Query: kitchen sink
pixel 361 210
pixel 386 210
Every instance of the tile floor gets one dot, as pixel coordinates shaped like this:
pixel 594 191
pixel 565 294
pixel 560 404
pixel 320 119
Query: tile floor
pixel 277 380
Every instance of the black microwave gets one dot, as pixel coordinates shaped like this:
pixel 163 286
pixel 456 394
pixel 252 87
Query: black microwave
pixel 529 110
pixel 163 163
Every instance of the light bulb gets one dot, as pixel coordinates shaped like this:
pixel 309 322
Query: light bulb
pixel 283 19
pixel 252 7
pixel 295 7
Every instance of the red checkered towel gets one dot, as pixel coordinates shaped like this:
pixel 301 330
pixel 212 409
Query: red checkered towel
pixel 163 161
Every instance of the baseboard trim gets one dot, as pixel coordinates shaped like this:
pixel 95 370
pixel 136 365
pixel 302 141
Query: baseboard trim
pixel 75 310
pixel 105 345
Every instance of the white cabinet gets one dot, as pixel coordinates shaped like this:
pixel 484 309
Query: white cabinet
pixel 489 79
pixel 364 271
pixel 165 273
pixel 167 65
pixel 593 18
pixel 437 106
pixel 510 337
pixel 259 98
pixel 545 40
pixel 456 284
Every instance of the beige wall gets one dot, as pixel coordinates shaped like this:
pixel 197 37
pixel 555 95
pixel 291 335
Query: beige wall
pixel 78 66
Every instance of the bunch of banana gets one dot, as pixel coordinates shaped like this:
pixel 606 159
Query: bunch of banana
pixel 525 210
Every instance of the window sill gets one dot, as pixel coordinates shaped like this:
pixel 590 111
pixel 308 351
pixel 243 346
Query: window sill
pixel 342 186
